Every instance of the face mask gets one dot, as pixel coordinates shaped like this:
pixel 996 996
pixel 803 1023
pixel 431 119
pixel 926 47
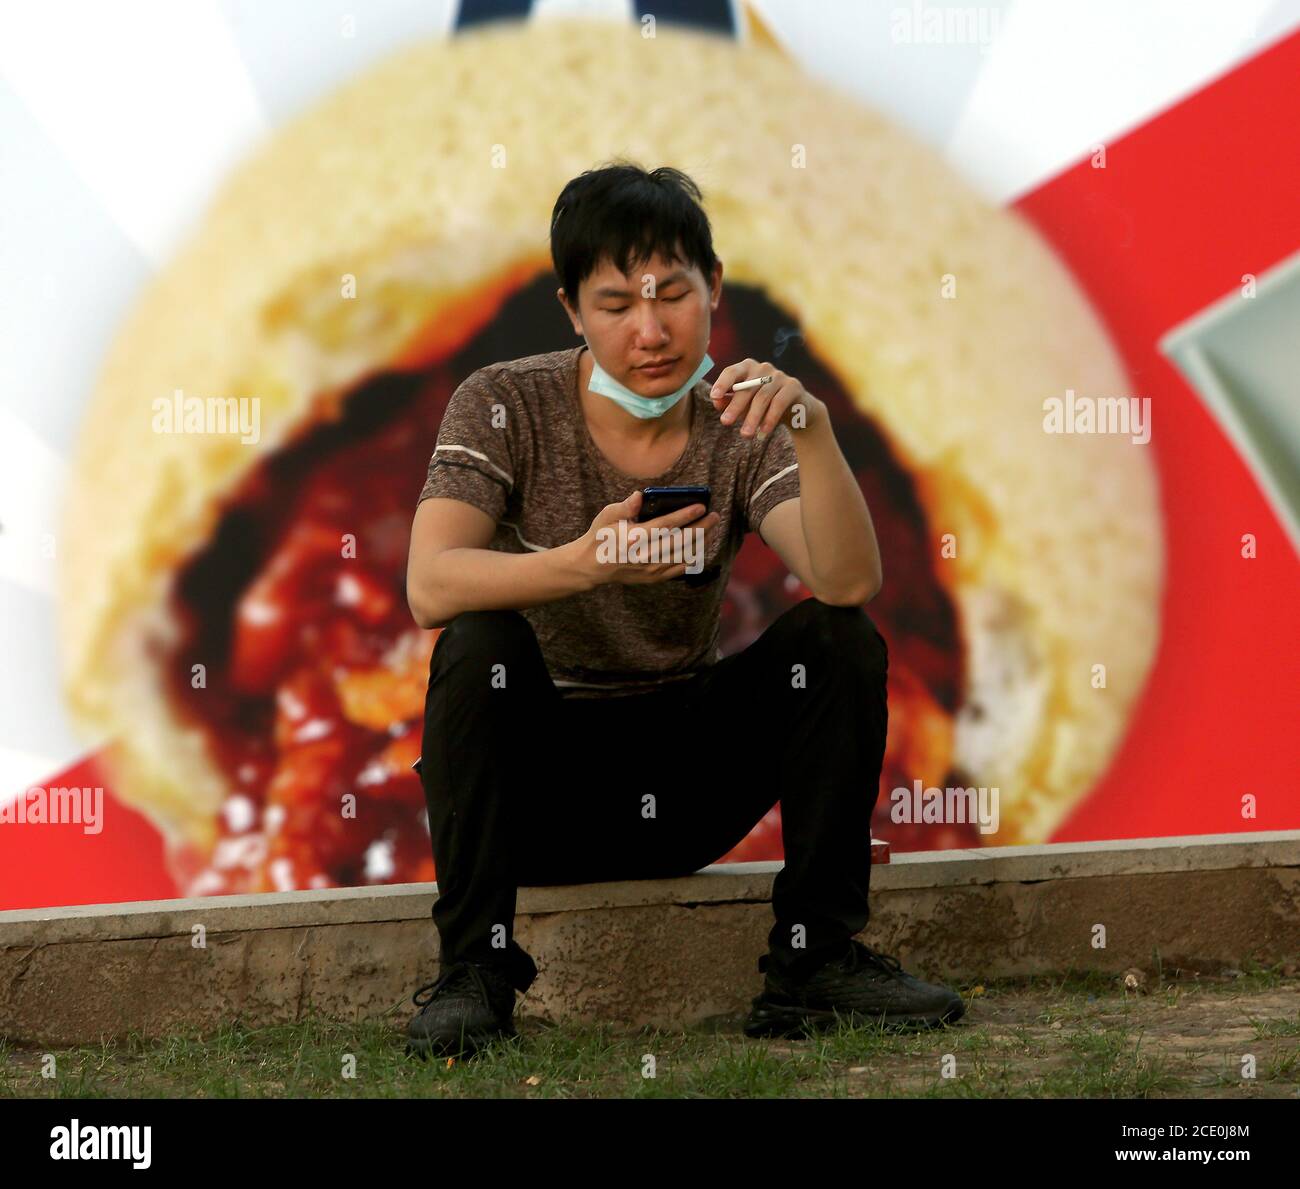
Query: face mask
pixel 636 404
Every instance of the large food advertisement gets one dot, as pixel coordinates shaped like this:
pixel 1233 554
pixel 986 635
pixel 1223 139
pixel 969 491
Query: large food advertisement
pixel 1041 263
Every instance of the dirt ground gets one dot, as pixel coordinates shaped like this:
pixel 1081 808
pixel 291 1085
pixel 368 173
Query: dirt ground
pixel 1094 1036
pixel 1177 1041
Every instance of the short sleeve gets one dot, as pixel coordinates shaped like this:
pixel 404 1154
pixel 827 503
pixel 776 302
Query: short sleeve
pixel 473 460
pixel 774 478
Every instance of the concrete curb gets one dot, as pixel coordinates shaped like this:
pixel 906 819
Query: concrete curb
pixel 656 952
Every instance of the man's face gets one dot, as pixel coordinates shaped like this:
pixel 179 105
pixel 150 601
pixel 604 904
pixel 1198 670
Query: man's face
pixel 661 310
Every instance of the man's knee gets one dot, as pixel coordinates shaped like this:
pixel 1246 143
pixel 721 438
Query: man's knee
pixel 496 637
pixel 845 636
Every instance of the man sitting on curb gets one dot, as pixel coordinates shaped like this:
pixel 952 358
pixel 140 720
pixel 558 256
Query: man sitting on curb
pixel 581 723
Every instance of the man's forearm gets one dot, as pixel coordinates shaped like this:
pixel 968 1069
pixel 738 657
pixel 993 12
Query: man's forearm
pixel 842 548
pixel 457 580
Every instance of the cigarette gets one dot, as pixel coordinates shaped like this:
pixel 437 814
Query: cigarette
pixel 752 383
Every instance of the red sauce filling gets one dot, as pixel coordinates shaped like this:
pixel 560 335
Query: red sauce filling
pixel 312 697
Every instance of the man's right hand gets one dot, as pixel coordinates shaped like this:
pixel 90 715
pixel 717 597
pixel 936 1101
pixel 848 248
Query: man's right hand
pixel 599 564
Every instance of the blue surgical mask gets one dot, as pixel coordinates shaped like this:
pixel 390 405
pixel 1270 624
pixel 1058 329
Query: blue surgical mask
pixel 636 404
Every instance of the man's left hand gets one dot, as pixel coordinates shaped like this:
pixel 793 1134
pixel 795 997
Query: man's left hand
pixel 783 401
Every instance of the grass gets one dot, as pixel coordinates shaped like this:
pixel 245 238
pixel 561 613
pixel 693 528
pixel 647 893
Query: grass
pixel 1082 1035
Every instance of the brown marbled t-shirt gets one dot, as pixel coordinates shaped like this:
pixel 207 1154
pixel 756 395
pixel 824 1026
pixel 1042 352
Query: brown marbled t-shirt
pixel 514 443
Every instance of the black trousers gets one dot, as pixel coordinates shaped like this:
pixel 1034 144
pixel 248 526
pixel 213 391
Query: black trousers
pixel 527 788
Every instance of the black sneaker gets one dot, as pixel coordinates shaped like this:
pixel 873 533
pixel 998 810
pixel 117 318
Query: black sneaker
pixel 470 1005
pixel 860 987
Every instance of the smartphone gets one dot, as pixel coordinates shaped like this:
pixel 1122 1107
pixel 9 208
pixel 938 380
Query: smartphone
pixel 660 501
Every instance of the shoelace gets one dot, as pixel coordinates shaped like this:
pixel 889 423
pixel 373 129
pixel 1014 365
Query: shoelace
pixel 863 955
pixel 460 973
pixel 856 956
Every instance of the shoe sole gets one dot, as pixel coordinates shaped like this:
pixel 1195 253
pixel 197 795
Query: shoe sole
pixel 767 1019
pixel 465 1046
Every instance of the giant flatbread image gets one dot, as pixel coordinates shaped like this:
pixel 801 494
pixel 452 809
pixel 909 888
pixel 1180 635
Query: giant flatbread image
pixel 233 612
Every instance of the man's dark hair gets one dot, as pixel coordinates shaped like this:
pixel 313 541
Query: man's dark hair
pixel 626 213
